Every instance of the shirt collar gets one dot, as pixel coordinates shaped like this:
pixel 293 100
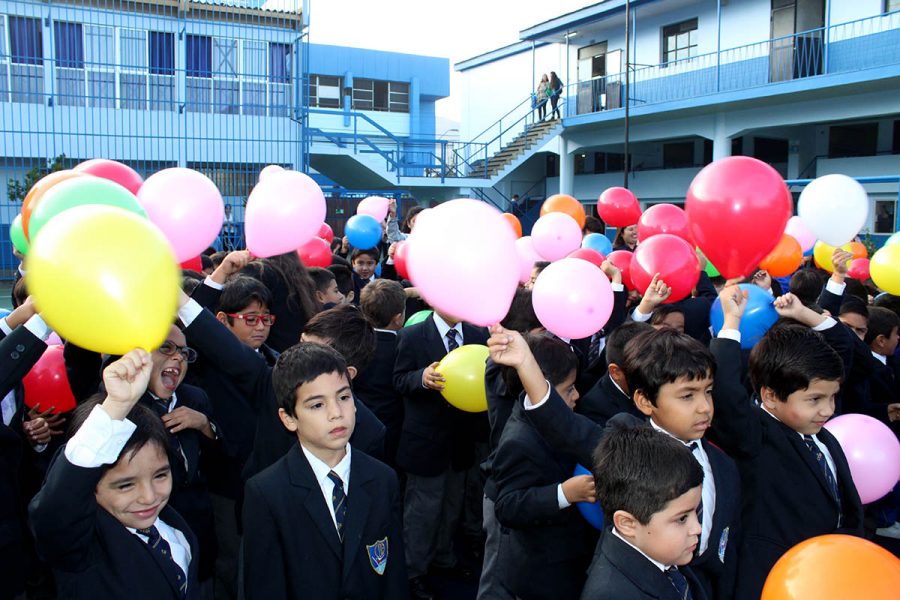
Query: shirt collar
pixel 766 410
pixel 321 470
pixel 881 359
pixel 443 327
pixel 618 387
pixel 656 563
pixel 387 330
pixel 661 430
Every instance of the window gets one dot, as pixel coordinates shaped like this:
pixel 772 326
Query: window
pixel 68 45
pixel 737 146
pixel 885 214
pixel 133 59
pixel 253 78
pixel 371 94
pixel 679 41
pixel 707 152
pixel 891 5
pixel 100 63
pixel 678 155
pixel 858 139
pixel 580 164
pixel 552 165
pixel 198 49
pixel 26 43
pixel 280 58
pixel 325 91
pixel 161 53
pixel 226 88
pixel 771 151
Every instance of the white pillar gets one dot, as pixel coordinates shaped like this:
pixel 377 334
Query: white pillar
pixel 566 168
pixel 721 141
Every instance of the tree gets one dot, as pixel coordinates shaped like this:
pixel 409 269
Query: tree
pixel 17 190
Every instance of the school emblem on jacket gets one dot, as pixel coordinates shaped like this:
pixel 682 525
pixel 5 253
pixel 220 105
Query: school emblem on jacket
pixel 378 555
pixel 723 543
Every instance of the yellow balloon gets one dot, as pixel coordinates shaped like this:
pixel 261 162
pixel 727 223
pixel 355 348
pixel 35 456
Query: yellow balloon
pixel 463 371
pixel 104 278
pixel 822 253
pixel 885 269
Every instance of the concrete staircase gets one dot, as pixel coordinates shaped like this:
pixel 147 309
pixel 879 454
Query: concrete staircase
pixel 531 137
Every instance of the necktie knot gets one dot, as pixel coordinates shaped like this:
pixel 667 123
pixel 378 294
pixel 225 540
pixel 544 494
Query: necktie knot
pixel 452 344
pixel 335 479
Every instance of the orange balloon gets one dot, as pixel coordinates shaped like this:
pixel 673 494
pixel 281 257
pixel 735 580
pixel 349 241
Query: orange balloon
pixel 834 567
pixel 785 258
pixel 514 223
pixel 565 204
pixel 40 188
pixel 858 250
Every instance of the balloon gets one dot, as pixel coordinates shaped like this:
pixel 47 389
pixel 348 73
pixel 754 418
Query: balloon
pixel 834 207
pixel 193 264
pixel 563 203
pixel 374 206
pixel 46 384
pixel 822 254
pixel 738 208
pixel 378 270
pixel 622 259
pixel 711 270
pixel 598 242
pixel 527 256
pixel 759 315
pixel 38 190
pixel 797 228
pixel 315 253
pixel 872 451
pixel 618 207
pixel 591 511
pixel 78 192
pixel 858 250
pixel 894 239
pixel 363 231
pixel 664 218
pixel 592 256
pixel 859 269
pixel 670 256
pixel 555 235
pixel 463 371
pixel 514 223
pixel 104 279
pixel 283 212
pixel 186 206
pixel 885 269
pixel 104 168
pixel 784 259
pixel 400 256
pixel 834 567
pixel 572 298
pixel 418 317
pixel 54 339
pixel 463 261
pixel 18 236
pixel 5 312
pixel 326 233
pixel 270 169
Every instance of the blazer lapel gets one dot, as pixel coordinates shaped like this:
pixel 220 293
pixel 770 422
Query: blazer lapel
pixel 358 502
pixel 433 342
pixel 302 476
pixel 840 464
pixel 801 447
pixel 643 574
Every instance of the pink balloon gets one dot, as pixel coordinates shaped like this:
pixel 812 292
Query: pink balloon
pixel 54 339
pixel 572 298
pixel 375 206
pixel 664 218
pixel 268 170
pixel 284 211
pixel 797 228
pixel 859 269
pixel 462 258
pixel 873 454
pixel 187 206
pixel 527 256
pixel 556 235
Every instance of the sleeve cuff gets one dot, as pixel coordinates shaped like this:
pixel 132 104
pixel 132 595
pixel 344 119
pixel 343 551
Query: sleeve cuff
pixel 730 334
pixel 216 286
pixel 640 317
pixel 4 327
pixel 617 287
pixel 561 498
pixel 190 311
pixel 828 323
pixel 38 327
pixel 99 441
pixel 835 288
pixel 529 406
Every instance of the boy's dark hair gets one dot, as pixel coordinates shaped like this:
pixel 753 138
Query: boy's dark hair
pixel 789 357
pixel 553 356
pixel 205 262
pixel 889 302
pixel 640 470
pixel 661 356
pixel 189 283
pixel 521 316
pixel 664 310
pixel 853 305
pixel 240 292
pixel 344 277
pixel 218 257
pixel 357 252
pixel 807 284
pixel 615 343
pixel 301 364
pixel 321 277
pixel 382 300
pixel 856 289
pixel 593 224
pixel 348 331
pixel 541 265
pixel 881 322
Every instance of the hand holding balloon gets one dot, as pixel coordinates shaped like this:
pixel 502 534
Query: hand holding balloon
pixel 580 489
pixel 840 259
pixel 432 379
pixel 509 348
pixel 611 271
pixel 657 293
pixel 734 302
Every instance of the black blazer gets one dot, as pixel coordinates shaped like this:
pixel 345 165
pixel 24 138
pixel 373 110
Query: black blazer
pixel 786 497
pixel 92 554
pixel 374 386
pixel 500 404
pixel 696 309
pixel 292 549
pixel 435 434
pixel 604 401
pixel 619 572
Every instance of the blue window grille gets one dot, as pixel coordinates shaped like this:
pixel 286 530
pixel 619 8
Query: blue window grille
pixel 279 63
pixel 26 41
pixel 68 42
pixel 199 56
pixel 162 53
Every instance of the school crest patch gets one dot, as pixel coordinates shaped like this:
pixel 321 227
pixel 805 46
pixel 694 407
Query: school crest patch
pixel 378 555
pixel 723 544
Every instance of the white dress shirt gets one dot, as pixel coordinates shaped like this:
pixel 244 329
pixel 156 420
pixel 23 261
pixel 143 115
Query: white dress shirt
pixel 443 327
pixel 321 471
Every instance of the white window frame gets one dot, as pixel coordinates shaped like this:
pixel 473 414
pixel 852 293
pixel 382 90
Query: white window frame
pixel 130 70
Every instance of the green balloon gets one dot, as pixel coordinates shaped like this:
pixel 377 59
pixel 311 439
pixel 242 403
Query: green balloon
pixel 78 192
pixel 894 239
pixel 711 270
pixel 418 317
pixel 18 236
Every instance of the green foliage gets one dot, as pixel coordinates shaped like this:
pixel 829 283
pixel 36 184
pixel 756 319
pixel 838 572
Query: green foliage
pixel 17 190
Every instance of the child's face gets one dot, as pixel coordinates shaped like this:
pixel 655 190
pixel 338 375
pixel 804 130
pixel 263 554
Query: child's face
pixel 858 323
pixel 673 533
pixel 566 389
pixel 673 320
pixel 168 371
pixel 136 488
pixel 256 335
pixel 534 275
pixel 684 407
pixel 331 294
pixel 889 345
pixel 324 414
pixel 364 265
pixel 805 411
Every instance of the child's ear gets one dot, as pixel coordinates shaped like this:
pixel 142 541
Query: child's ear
pixel 352 371
pixel 625 523
pixel 289 422
pixel 768 397
pixel 618 375
pixel 222 317
pixel 643 403
pixel 879 341
pixel 398 320
pixel 320 297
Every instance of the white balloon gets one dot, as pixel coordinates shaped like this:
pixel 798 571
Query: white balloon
pixel 834 208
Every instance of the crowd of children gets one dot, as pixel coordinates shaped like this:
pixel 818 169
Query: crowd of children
pixel 290 440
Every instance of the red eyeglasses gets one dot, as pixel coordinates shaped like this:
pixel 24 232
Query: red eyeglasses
pixel 253 319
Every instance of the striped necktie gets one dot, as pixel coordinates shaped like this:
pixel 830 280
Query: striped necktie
pixel 162 550
pixel 339 502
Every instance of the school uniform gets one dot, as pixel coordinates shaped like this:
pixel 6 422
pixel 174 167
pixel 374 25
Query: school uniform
pixel 605 400
pixel 358 284
pixel 298 545
pixel 374 386
pixel 695 309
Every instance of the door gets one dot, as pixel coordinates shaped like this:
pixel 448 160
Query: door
pixel 781 48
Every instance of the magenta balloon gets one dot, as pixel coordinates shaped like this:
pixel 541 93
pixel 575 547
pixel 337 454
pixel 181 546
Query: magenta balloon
pixel 572 298
pixel 664 218
pixel 462 258
pixel 284 211
pixel 268 170
pixel 186 206
pixel 374 206
pixel 872 451
pixel 527 257
pixel 799 231
pixel 556 235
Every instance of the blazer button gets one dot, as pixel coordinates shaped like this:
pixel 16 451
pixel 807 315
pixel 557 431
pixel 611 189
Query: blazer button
pixel 20 348
pixel 14 355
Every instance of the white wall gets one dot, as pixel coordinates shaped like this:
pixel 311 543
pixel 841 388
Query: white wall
pixel 843 11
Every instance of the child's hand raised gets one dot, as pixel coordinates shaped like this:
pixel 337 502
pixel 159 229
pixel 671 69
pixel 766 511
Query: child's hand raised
pixel 839 259
pixel 126 381
pixel 580 488
pixel 734 302
pixel 611 271
pixel 790 307
pixel 231 264
pixel 508 347
pixel 657 293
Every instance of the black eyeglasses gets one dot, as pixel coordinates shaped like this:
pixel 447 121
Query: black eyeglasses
pixel 170 348
pixel 253 319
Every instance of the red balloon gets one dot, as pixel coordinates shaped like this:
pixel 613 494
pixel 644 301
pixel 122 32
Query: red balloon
pixel 670 256
pixel 592 256
pixel 400 254
pixel 737 208
pixel 46 384
pixel 622 260
pixel 326 233
pixel 618 207
pixel 315 253
pixel 859 269
pixel 114 171
pixel 193 264
pixel 664 218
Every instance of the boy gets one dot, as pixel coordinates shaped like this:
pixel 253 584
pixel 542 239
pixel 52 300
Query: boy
pixel 327 292
pixel 363 263
pixel 324 521
pixel 882 338
pixel 344 278
pixel 101 518
pixel 796 480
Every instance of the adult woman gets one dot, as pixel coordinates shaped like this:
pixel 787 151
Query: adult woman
pixel 541 94
pixel 556 90
pixel 626 238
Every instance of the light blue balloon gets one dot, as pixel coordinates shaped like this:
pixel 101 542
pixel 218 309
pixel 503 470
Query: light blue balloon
pixel 591 511
pixel 4 312
pixel 378 270
pixel 598 242
pixel 363 231
pixel 759 315
pixel 894 239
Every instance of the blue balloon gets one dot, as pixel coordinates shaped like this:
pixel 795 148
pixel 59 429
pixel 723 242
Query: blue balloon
pixel 363 231
pixel 591 511
pixel 378 270
pixel 4 312
pixel 598 242
pixel 759 315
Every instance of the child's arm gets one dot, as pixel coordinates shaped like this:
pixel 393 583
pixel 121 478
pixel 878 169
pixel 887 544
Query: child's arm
pixel 410 379
pixel 20 350
pixel 620 296
pixel 207 294
pixel 838 337
pixel 705 288
pixel 833 293
pixel 657 293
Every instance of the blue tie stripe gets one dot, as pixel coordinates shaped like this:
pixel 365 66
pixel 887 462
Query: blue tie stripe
pixel 338 502
pixel 823 465
pixel 159 546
